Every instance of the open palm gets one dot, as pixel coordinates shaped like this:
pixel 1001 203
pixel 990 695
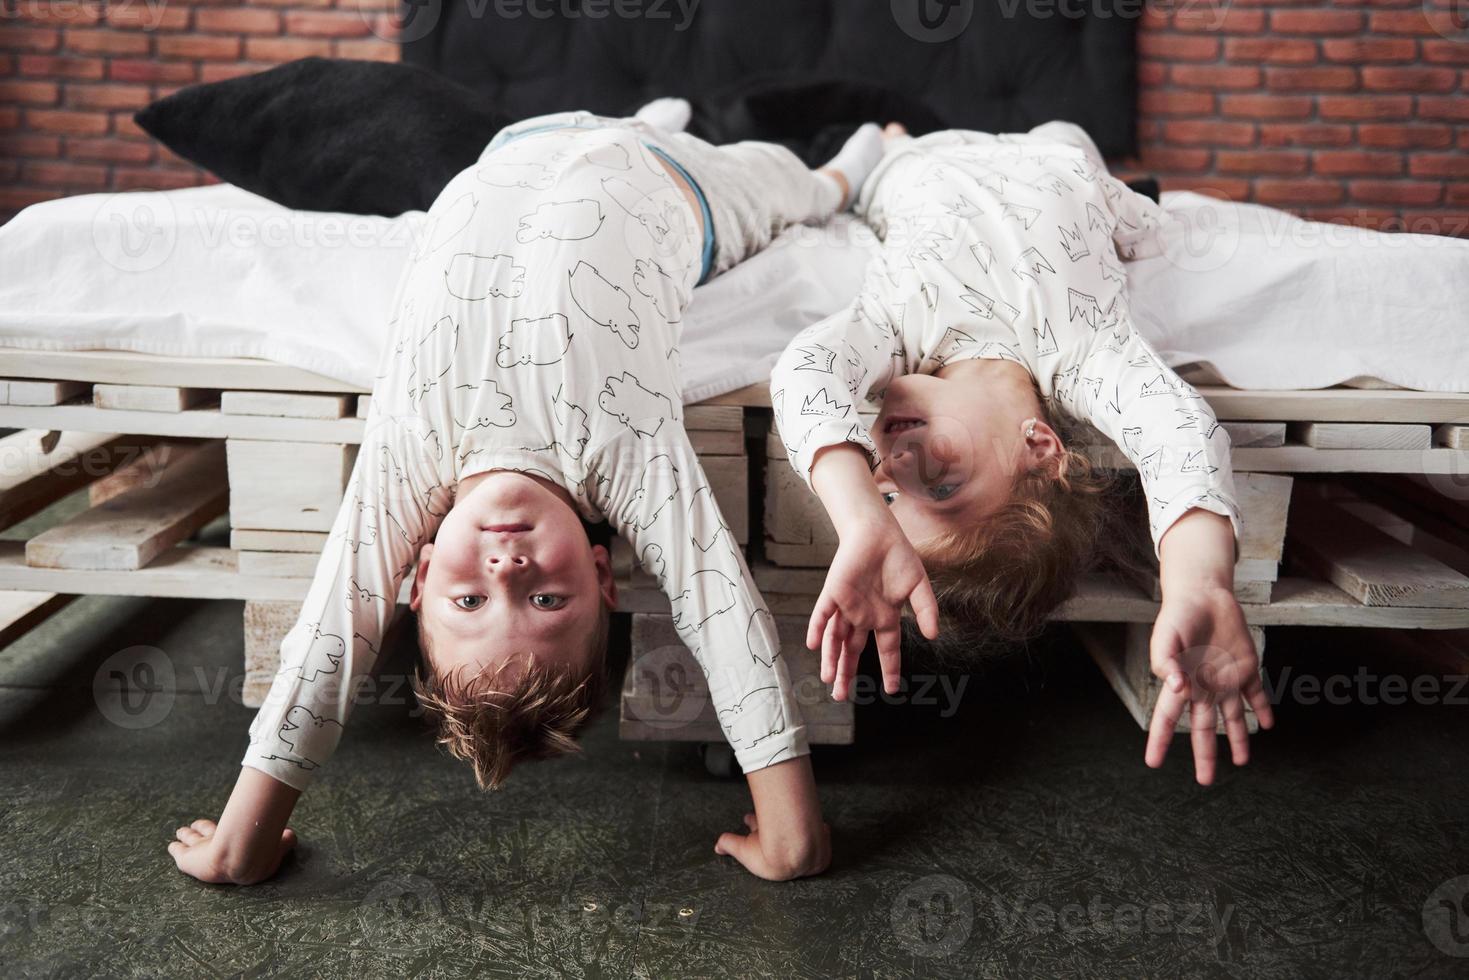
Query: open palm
pixel 1203 653
pixel 875 572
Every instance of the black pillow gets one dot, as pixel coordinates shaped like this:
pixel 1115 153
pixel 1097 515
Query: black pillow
pixel 363 137
pixel 371 137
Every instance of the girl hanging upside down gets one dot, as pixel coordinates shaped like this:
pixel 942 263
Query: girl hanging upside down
pixel 993 320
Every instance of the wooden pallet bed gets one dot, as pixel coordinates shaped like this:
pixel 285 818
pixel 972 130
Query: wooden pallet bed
pixel 165 445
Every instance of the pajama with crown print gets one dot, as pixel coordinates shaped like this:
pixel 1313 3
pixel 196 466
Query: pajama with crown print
pixel 1008 246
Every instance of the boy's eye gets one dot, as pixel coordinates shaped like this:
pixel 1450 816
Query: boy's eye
pixel 544 601
pixel 889 497
pixel 943 491
pixel 470 602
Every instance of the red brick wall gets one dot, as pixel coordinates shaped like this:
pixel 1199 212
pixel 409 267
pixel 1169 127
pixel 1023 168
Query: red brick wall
pixel 1352 110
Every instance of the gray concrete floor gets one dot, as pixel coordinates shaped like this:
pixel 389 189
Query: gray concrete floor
pixel 1021 835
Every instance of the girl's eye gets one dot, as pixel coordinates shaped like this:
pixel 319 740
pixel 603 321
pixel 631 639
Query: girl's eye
pixel 544 601
pixel 889 497
pixel 470 602
pixel 943 491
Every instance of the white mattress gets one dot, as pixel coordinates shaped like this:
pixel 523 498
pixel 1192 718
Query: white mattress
pixel 219 272
pixel 1263 298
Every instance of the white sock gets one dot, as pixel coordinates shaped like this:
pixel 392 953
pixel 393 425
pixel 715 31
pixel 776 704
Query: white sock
pixel 670 115
pixel 857 158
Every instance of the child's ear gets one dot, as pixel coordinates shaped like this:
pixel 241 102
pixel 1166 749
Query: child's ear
pixel 1042 444
pixel 420 576
pixel 606 583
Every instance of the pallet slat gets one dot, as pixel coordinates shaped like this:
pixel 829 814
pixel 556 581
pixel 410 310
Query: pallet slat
pixel 1361 435
pixel 131 529
pixel 1368 564
pixel 147 398
pixel 20 612
pixel 31 477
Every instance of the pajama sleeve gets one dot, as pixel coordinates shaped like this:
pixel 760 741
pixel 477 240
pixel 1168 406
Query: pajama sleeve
pixel 822 378
pixel 391 506
pixel 1160 423
pixel 655 494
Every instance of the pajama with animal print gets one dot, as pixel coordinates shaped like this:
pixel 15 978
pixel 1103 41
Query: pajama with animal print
pixel 536 329
pixel 1008 246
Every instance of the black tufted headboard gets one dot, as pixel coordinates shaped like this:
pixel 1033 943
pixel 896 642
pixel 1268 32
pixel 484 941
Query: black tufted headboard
pixel 1011 64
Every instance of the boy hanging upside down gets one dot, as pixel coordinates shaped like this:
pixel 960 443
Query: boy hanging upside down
pixel 532 382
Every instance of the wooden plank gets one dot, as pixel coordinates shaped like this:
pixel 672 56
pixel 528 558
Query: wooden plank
pixel 32 478
pixel 20 612
pixel 143 469
pixel 793 515
pixel 280 564
pixel 128 367
pixel 283 404
pixel 1264 503
pixel 148 398
pixel 287 486
pixel 1452 436
pixel 1368 564
pixel 131 529
pixel 25 392
pixel 1256 435
pixel 246 539
pixel 1361 435
pixel 364 405
pixel 197 423
pixel 714 418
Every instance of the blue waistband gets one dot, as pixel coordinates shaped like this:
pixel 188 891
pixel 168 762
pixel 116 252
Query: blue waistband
pixel 708 253
pixel 707 258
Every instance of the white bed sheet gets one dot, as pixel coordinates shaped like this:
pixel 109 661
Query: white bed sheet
pixel 1264 299
pixel 219 272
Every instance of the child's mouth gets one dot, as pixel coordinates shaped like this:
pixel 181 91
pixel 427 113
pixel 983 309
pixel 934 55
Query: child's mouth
pixel 899 423
pixel 507 528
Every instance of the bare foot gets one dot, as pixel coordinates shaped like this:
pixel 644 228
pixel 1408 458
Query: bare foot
pixel 893 130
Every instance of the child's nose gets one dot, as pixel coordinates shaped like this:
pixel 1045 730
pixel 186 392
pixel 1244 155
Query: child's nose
pixel 507 564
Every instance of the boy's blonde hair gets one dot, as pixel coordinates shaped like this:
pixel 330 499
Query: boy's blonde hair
pixel 520 709
pixel 999 579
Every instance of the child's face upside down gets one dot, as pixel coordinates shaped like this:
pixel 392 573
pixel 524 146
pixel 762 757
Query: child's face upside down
pixel 511 572
pixel 952 443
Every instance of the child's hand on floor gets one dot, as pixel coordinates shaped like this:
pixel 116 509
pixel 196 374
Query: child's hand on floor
pixel 1201 648
pixel 795 841
pixel 251 838
pixel 199 853
pixel 771 859
pixel 875 571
